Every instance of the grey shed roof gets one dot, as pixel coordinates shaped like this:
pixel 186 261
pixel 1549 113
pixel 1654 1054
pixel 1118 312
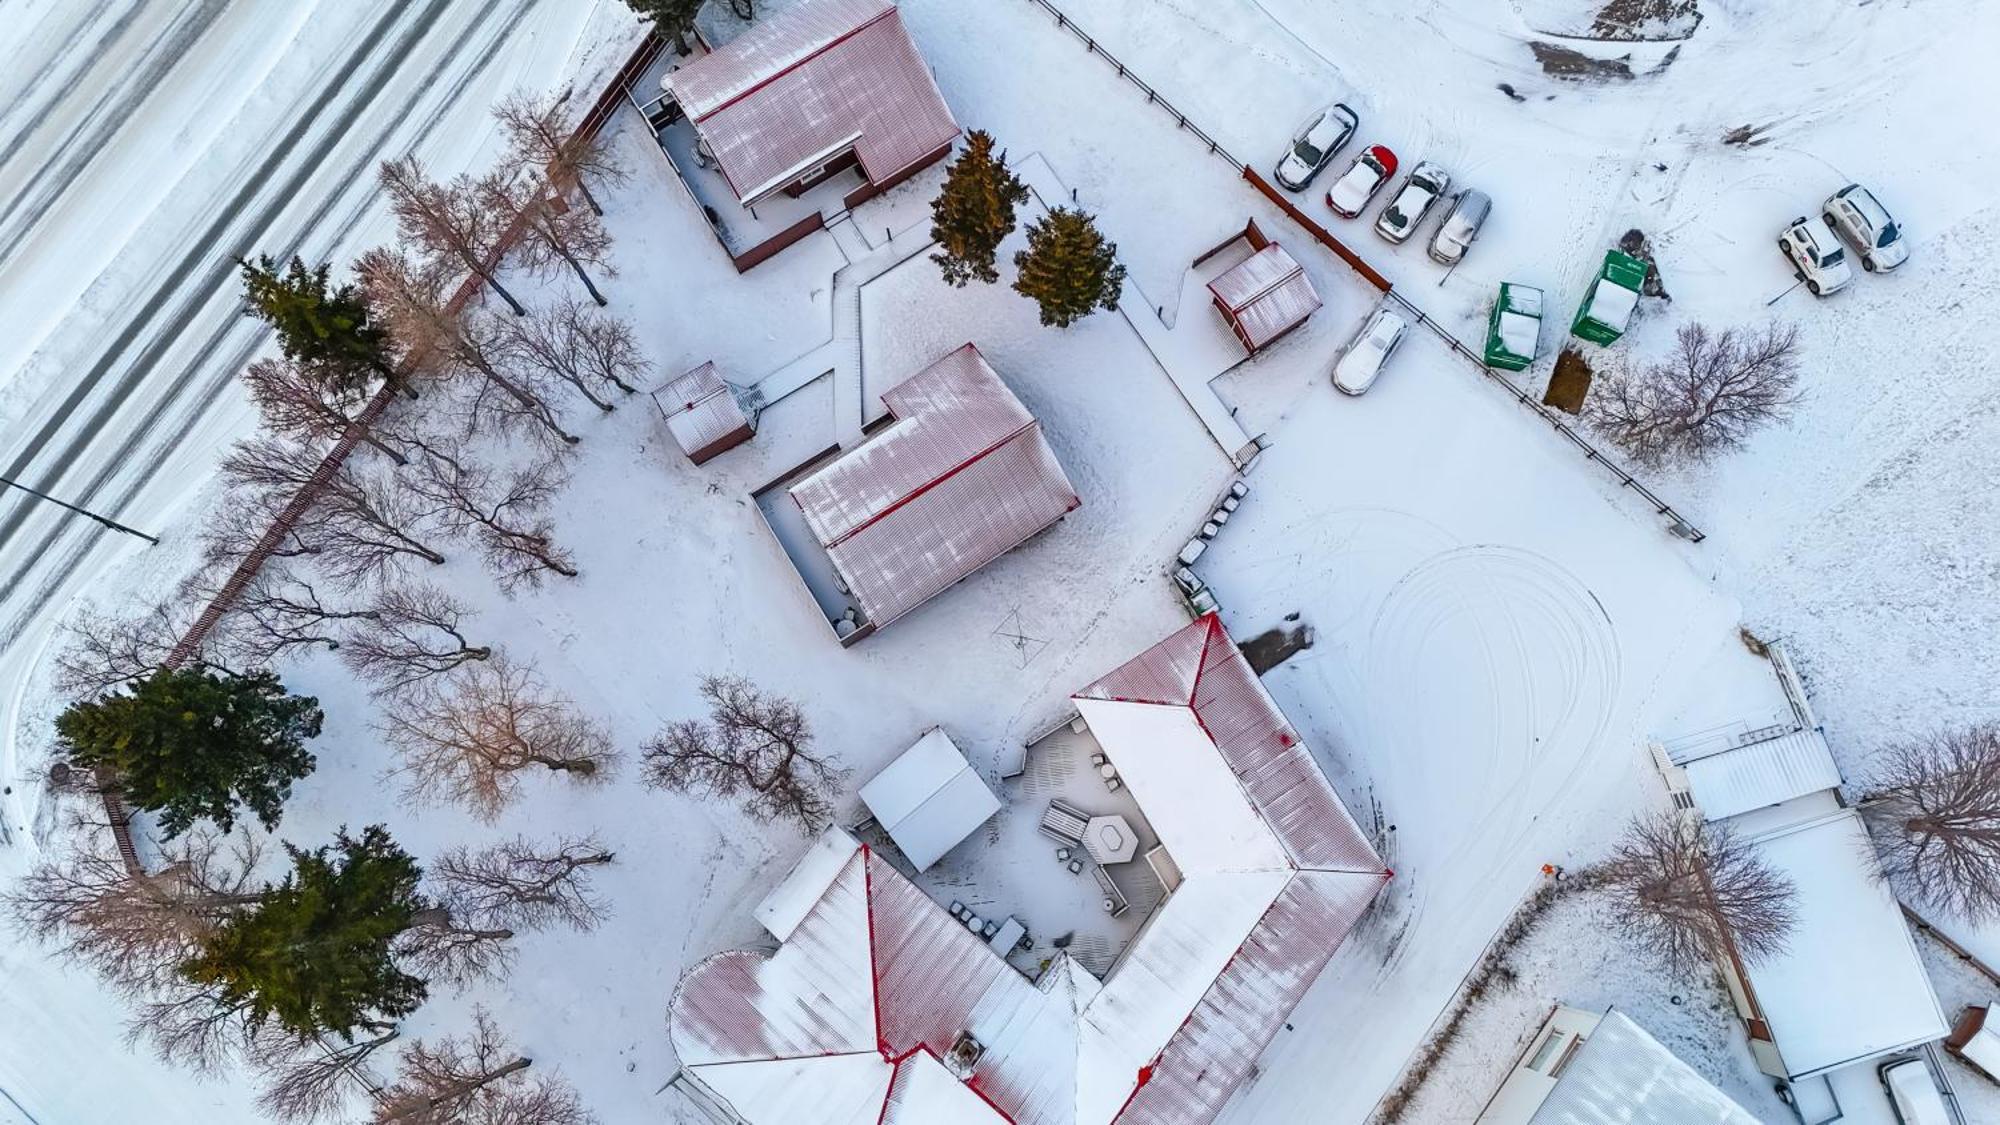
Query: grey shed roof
pixel 1623 1076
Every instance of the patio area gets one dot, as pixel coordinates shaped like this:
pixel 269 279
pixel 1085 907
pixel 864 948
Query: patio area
pixel 1008 868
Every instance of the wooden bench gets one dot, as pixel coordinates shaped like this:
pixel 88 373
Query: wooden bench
pixel 1064 823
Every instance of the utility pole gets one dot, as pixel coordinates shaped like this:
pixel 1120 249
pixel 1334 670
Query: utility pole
pixel 85 512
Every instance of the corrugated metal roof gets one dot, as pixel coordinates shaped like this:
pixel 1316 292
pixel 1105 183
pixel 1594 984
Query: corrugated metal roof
pixel 700 410
pixel 821 1089
pixel 1266 294
pixel 1623 1076
pixel 1742 778
pixel 960 477
pixel 802 85
pixel 925 1093
pixel 1187 1010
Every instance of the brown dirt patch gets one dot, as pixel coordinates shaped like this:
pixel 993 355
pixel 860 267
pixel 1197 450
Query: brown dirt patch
pixel 1570 384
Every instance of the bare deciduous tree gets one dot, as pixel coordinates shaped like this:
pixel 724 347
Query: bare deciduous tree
pixel 540 140
pixel 410 634
pixel 469 742
pixel 294 404
pixel 449 223
pixel 194 1027
pixel 135 932
pixel 504 510
pixel 439 946
pixel 411 300
pixel 583 347
pixel 554 234
pixel 1693 894
pixel 101 652
pixel 314 1081
pixel 359 527
pixel 1934 805
pixel 753 747
pixel 1704 399
pixel 518 883
pixel 278 612
pixel 476 1079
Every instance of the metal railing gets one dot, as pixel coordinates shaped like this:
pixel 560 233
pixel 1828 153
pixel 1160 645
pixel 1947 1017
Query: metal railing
pixel 1153 96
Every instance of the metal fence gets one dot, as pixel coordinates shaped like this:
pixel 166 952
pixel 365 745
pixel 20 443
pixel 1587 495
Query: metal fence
pixel 1153 96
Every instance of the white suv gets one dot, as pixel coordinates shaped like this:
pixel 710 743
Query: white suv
pixel 1816 254
pixel 1865 224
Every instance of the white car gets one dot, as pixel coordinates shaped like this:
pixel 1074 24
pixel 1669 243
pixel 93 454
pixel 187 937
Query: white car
pixel 1913 1093
pixel 1816 254
pixel 1865 224
pixel 1404 214
pixel 1315 142
pixel 1363 178
pixel 1373 345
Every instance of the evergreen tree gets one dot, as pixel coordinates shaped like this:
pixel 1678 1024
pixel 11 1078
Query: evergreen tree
pixel 316 954
pixel 194 743
pixel 671 18
pixel 974 212
pixel 1068 268
pixel 323 328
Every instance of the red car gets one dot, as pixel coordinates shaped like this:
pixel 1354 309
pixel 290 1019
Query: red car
pixel 1370 170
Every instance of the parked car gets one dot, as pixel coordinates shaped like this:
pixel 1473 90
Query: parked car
pixel 1514 327
pixel 1861 219
pixel 1913 1092
pixel 1362 363
pixel 1313 146
pixel 1816 255
pixel 1614 293
pixel 1427 184
pixel 1460 226
pixel 1350 194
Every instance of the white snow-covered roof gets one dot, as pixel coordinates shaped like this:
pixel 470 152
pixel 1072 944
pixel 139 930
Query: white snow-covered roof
pixel 791 900
pixel 929 799
pixel 806 84
pixel 1736 779
pixel 1519 334
pixel 1849 986
pixel 1983 1049
pixel 1276 875
pixel 925 1093
pixel 1623 1076
pixel 702 413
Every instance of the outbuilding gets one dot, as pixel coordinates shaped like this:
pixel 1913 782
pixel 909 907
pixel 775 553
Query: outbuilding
pixel 929 799
pixel 1265 295
pixel 703 413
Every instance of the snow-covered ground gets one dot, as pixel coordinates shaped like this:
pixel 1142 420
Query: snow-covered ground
pixel 1498 626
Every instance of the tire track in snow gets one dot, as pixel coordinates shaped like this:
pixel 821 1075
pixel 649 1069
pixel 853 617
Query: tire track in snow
pixel 219 376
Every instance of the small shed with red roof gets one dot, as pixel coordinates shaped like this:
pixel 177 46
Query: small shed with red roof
pixel 1265 295
pixel 815 89
pixel 703 414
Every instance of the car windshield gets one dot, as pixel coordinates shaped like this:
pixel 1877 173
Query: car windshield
pixel 1832 257
pixel 1369 162
pixel 1887 236
pixel 1393 217
pixel 1306 151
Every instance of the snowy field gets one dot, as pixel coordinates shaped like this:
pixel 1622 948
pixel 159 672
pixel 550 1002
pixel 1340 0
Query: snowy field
pixel 1498 627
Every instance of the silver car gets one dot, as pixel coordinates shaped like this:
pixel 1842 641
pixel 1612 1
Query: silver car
pixel 1405 213
pixel 1315 142
pixel 1865 224
pixel 1461 225
pixel 1373 345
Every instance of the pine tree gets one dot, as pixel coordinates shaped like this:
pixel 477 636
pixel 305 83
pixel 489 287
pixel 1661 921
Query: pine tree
pixel 315 955
pixel 325 329
pixel 974 212
pixel 671 18
pixel 196 744
pixel 1068 268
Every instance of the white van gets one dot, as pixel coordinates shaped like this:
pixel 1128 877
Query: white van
pixel 1913 1093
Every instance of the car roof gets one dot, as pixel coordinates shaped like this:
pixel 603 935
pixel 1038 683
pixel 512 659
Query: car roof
pixel 1865 202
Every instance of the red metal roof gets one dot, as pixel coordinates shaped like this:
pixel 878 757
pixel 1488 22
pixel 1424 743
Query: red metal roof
pixel 807 83
pixel 701 413
pixel 960 477
pixel 928 978
pixel 1265 295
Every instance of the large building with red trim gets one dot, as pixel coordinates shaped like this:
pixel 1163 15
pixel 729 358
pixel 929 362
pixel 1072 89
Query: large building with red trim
pixel 811 91
pixel 878 1007
pixel 960 475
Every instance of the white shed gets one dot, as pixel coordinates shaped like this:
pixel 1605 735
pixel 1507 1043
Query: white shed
pixel 1726 780
pixel 929 799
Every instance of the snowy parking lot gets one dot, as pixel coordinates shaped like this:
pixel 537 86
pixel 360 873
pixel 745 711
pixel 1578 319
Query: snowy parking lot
pixel 1498 628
